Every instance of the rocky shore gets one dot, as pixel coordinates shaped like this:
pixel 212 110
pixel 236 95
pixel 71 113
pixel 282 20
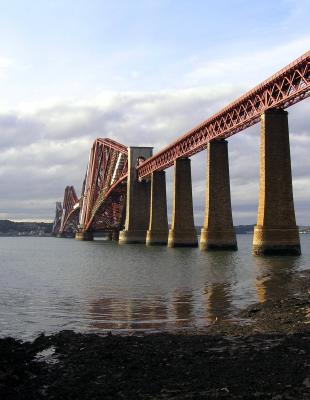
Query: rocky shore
pixel 266 357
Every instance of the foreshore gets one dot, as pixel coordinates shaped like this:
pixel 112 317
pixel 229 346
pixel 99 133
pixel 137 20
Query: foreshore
pixel 267 357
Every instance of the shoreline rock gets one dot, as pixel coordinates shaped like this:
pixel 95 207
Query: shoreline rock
pixel 162 366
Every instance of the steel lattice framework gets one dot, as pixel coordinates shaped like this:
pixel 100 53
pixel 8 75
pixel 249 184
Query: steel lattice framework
pixel 66 218
pixel 104 189
pixel 287 87
pixel 57 220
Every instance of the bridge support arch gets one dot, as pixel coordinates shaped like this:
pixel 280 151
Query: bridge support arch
pixel 182 232
pixel 218 231
pixel 276 231
pixel 138 199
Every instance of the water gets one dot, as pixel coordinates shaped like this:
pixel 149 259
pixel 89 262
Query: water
pixel 49 284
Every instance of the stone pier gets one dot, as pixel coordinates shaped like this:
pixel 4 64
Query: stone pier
pixel 182 232
pixel 108 236
pixel 276 231
pixel 86 236
pixel 158 227
pixel 115 236
pixel 138 199
pixel 218 231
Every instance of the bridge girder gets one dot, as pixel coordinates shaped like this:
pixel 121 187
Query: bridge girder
pixel 283 89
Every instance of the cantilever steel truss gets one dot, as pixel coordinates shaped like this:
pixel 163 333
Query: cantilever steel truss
pixel 66 215
pixel 57 220
pixel 288 86
pixel 104 192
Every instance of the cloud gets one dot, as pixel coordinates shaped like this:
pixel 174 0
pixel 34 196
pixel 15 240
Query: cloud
pixel 44 146
pixel 249 68
pixel 5 65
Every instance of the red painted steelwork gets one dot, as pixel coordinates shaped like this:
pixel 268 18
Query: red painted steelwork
pixel 287 87
pixel 104 193
pixel 68 217
pixel 57 220
pixel 70 199
pixel 116 196
pixel 71 221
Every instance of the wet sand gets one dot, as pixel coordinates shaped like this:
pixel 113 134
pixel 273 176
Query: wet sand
pixel 265 356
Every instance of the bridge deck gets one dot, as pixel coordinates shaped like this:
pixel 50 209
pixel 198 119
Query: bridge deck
pixel 288 86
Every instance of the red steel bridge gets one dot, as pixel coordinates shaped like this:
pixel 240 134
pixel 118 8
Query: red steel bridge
pixel 101 206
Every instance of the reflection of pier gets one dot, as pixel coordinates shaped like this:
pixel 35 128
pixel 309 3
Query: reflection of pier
pixel 274 279
pixel 186 305
pixel 218 302
pixel 129 314
pixel 179 310
pixel 182 305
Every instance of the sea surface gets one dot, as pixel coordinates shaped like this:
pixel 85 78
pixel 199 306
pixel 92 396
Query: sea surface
pixel 49 284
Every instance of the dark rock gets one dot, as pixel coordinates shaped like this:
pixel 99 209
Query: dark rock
pixel 265 355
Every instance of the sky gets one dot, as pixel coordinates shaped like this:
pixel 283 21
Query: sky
pixel 141 72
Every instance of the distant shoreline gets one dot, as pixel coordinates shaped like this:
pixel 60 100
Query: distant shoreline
pixel 22 229
pixel 44 229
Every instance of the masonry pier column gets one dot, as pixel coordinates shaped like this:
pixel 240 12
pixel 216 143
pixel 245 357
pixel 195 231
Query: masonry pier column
pixel 158 227
pixel 182 232
pixel 218 231
pixel 115 236
pixel 86 236
pixel 276 231
pixel 138 199
pixel 109 236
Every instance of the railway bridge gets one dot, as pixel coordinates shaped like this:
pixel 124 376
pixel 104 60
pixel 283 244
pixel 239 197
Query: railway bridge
pixel 124 190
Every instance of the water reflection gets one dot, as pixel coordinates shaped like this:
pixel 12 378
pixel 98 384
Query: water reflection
pixel 103 286
pixel 218 295
pixel 274 277
pixel 188 302
pixel 128 314
pixel 218 302
pixel 183 308
pixel 149 314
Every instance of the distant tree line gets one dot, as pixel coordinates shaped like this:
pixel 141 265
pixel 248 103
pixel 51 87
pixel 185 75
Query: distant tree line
pixel 10 227
pixel 244 229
